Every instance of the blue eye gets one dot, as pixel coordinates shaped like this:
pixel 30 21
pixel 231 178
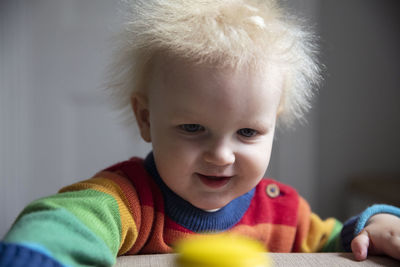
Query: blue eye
pixel 191 128
pixel 247 132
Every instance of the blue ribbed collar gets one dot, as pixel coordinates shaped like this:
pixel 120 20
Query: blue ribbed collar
pixel 195 219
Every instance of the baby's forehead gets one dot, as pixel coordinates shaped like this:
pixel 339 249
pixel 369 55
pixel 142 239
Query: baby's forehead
pixel 169 69
pixel 179 77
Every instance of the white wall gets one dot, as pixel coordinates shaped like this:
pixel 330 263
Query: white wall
pixel 56 126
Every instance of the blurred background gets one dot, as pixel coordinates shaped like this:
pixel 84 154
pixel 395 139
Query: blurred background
pixel 57 126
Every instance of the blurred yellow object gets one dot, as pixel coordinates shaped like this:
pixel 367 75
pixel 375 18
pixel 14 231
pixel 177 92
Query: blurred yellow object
pixel 221 250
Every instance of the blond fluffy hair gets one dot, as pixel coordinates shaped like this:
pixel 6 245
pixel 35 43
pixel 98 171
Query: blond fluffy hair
pixel 225 33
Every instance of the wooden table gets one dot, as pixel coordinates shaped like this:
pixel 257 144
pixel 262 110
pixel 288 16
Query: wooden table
pixel 279 259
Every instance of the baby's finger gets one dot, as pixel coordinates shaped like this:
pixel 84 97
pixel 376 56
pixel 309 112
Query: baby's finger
pixel 360 245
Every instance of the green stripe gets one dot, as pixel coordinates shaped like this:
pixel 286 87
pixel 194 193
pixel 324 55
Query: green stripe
pixel 334 242
pixel 81 226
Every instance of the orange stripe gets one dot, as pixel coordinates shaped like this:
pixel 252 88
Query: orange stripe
pixel 129 192
pixel 312 232
pixel 303 224
pixel 275 237
pixel 156 242
pixel 144 231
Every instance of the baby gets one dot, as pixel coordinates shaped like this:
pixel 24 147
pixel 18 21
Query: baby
pixel 208 82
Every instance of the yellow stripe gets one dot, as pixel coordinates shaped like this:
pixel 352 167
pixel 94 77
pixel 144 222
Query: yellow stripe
pixel 129 230
pixel 318 234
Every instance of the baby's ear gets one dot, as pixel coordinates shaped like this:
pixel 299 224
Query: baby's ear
pixel 141 109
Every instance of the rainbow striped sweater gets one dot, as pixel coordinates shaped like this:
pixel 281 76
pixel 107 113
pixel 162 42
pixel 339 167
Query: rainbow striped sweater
pixel 127 209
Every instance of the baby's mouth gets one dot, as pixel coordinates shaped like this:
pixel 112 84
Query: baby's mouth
pixel 214 181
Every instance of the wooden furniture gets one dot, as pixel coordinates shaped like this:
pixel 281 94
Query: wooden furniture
pixel 278 259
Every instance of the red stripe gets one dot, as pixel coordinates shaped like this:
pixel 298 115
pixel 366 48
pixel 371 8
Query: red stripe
pixel 279 210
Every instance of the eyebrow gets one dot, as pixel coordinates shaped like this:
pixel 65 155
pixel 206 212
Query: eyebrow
pixel 261 128
pixel 184 116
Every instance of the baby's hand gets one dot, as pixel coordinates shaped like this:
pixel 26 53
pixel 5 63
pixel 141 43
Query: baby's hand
pixel 380 236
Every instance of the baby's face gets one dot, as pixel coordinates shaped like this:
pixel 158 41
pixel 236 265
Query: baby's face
pixel 211 129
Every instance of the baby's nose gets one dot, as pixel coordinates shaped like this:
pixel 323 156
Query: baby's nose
pixel 219 154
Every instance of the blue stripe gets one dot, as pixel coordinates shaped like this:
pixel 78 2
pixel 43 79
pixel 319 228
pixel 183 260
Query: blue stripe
pixel 371 211
pixel 356 224
pixel 16 255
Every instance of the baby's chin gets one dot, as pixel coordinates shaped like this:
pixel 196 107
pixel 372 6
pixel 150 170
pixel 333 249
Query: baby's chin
pixel 210 207
pixel 212 202
pixel 213 210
